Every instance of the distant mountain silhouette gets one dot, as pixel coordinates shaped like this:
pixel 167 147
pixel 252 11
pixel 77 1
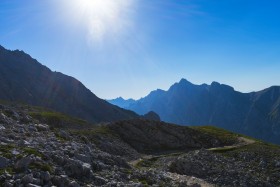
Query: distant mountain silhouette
pixel 121 102
pixel 24 79
pixel 255 114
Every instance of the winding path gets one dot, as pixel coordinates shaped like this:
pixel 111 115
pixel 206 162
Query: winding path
pixel 190 180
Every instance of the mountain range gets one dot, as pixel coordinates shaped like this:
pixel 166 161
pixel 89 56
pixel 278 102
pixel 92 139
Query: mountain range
pixel 256 114
pixel 24 79
pixel 49 136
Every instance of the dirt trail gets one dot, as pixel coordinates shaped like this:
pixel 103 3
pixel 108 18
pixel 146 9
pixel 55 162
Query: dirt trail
pixel 242 141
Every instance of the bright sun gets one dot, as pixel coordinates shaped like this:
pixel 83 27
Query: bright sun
pixel 101 17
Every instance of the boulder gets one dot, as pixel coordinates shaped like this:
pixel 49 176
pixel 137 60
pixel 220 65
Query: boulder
pixel 3 162
pixel 23 163
pixel 78 169
pixel 45 176
pixel 42 127
pixel 27 179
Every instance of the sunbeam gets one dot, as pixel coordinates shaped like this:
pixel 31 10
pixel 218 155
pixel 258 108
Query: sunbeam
pixel 101 18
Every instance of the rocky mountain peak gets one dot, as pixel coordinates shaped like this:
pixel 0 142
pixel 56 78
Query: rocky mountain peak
pixel 185 82
pixel 24 79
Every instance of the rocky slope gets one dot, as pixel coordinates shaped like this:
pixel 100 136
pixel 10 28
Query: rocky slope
pixel 24 79
pixel 256 114
pixel 71 152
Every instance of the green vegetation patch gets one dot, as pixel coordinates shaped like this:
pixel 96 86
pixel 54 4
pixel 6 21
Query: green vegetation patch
pixel 41 166
pixel 260 149
pixel 8 170
pixel 95 133
pixel 223 135
pixel 59 120
pixel 148 163
pixel 31 151
pixel 5 150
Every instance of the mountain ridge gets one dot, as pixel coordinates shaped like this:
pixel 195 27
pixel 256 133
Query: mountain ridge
pixel 24 79
pixel 255 113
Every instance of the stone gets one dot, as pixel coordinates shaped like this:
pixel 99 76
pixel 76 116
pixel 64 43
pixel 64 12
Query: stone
pixel 63 134
pixel 77 169
pixel 15 152
pixel 42 127
pixel 277 164
pixel 23 143
pixel 83 158
pixel 45 176
pixel 32 128
pixel 23 163
pixel 99 180
pixel 3 162
pixel 27 179
pixel 8 184
pixel 36 181
pixel 61 181
pixel 32 185
pixel 74 184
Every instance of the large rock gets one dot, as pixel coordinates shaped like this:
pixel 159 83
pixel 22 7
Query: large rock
pixel 42 127
pixel 23 163
pixel 3 162
pixel 27 179
pixel 78 169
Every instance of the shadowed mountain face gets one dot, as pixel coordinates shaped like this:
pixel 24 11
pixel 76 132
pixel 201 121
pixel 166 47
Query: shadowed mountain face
pixel 23 79
pixel 256 114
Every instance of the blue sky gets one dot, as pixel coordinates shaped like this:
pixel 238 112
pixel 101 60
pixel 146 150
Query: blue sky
pixel 131 47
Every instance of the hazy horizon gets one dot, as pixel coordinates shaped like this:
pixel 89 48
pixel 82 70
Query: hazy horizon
pixel 129 48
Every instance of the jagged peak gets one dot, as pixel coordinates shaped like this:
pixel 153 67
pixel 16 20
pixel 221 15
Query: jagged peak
pixel 215 84
pixel 156 91
pixel 185 81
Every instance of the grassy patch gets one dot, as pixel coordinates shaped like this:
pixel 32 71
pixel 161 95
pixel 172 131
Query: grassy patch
pixel 225 136
pixel 96 134
pixel 8 113
pixel 58 120
pixel 144 182
pixel 31 151
pixel 147 163
pixel 6 150
pixel 103 130
pixel 8 169
pixel 260 148
pixel 41 166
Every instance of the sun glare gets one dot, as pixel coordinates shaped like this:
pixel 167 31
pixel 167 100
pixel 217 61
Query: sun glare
pixel 101 17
